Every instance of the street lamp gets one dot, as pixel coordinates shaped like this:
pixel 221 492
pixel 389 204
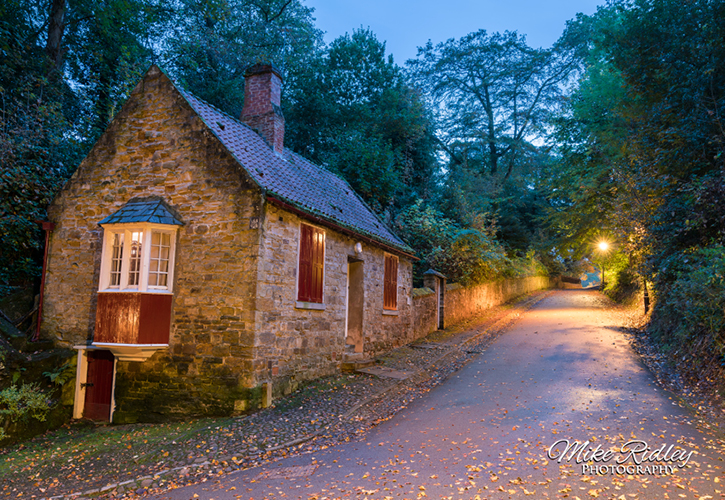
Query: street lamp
pixel 603 248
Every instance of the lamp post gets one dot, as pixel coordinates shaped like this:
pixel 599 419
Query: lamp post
pixel 603 248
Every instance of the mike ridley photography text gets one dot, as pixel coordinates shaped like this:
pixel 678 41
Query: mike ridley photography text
pixel 635 457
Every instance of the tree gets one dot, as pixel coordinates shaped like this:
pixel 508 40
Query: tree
pixel 643 127
pixel 494 97
pixel 214 42
pixel 493 94
pixel 352 111
pixel 465 255
pixel 38 150
pixel 642 156
pixel 107 46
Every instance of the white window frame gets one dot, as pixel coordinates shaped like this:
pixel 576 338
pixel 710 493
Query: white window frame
pixel 109 230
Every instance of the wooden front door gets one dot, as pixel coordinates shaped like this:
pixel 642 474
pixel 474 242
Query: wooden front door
pixel 99 385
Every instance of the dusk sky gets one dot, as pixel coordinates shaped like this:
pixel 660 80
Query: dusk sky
pixel 405 25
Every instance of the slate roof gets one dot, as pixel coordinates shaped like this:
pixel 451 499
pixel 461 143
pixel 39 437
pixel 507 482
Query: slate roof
pixel 149 210
pixel 293 179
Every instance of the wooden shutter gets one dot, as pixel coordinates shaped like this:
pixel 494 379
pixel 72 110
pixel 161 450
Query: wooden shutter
pixel 390 288
pixel 312 264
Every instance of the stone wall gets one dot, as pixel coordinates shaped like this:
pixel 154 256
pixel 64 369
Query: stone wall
pixel 296 344
pixel 157 146
pixel 424 311
pixel 463 302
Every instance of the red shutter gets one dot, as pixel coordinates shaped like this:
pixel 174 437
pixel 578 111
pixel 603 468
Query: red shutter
pixel 312 264
pixel 390 287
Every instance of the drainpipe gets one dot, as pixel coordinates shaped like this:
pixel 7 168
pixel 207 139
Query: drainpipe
pixel 47 228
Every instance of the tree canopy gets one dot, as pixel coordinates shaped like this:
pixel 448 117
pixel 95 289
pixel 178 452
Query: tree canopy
pixel 353 111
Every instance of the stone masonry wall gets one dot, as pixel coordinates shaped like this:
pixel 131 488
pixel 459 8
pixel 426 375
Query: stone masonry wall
pixel 424 311
pixel 157 146
pixel 463 302
pixel 296 344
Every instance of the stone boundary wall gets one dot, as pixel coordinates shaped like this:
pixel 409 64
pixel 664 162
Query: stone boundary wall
pixel 424 312
pixel 464 302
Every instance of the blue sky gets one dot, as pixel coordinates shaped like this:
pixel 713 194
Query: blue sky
pixel 405 25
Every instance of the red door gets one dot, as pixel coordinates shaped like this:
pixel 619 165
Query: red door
pixel 99 385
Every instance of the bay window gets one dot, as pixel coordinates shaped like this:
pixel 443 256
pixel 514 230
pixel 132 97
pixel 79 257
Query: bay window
pixel 137 258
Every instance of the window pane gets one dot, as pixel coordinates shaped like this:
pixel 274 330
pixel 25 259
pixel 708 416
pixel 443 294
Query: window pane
pixel 159 261
pixel 134 264
pixel 116 258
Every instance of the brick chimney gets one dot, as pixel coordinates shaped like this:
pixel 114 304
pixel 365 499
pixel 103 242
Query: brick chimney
pixel 262 98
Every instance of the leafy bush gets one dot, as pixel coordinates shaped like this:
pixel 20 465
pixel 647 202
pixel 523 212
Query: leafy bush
pixel 688 316
pixel 530 265
pixel 622 282
pixel 23 403
pixel 63 374
pixel 465 255
pixel 624 285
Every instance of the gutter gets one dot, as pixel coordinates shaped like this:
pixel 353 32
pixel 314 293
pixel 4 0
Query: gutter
pixel 332 225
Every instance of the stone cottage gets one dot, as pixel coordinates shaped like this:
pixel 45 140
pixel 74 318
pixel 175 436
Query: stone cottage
pixel 200 268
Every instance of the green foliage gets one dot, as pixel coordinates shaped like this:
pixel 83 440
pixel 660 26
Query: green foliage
pixel 465 255
pixel 108 46
pixel 621 279
pixel 624 285
pixel 492 92
pixel 63 374
pixel 643 138
pixel 214 42
pixel 494 96
pixel 23 403
pixel 688 319
pixel 37 150
pixel 530 264
pixel 352 111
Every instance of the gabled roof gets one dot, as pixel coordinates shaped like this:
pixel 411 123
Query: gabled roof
pixel 294 180
pixel 152 210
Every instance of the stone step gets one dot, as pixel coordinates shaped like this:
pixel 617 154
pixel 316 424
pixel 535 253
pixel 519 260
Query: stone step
pixel 352 355
pixel 351 365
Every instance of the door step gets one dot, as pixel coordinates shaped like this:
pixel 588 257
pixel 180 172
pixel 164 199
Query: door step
pixel 386 372
pixel 350 365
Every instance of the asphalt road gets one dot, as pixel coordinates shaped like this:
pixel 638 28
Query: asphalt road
pixel 563 375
